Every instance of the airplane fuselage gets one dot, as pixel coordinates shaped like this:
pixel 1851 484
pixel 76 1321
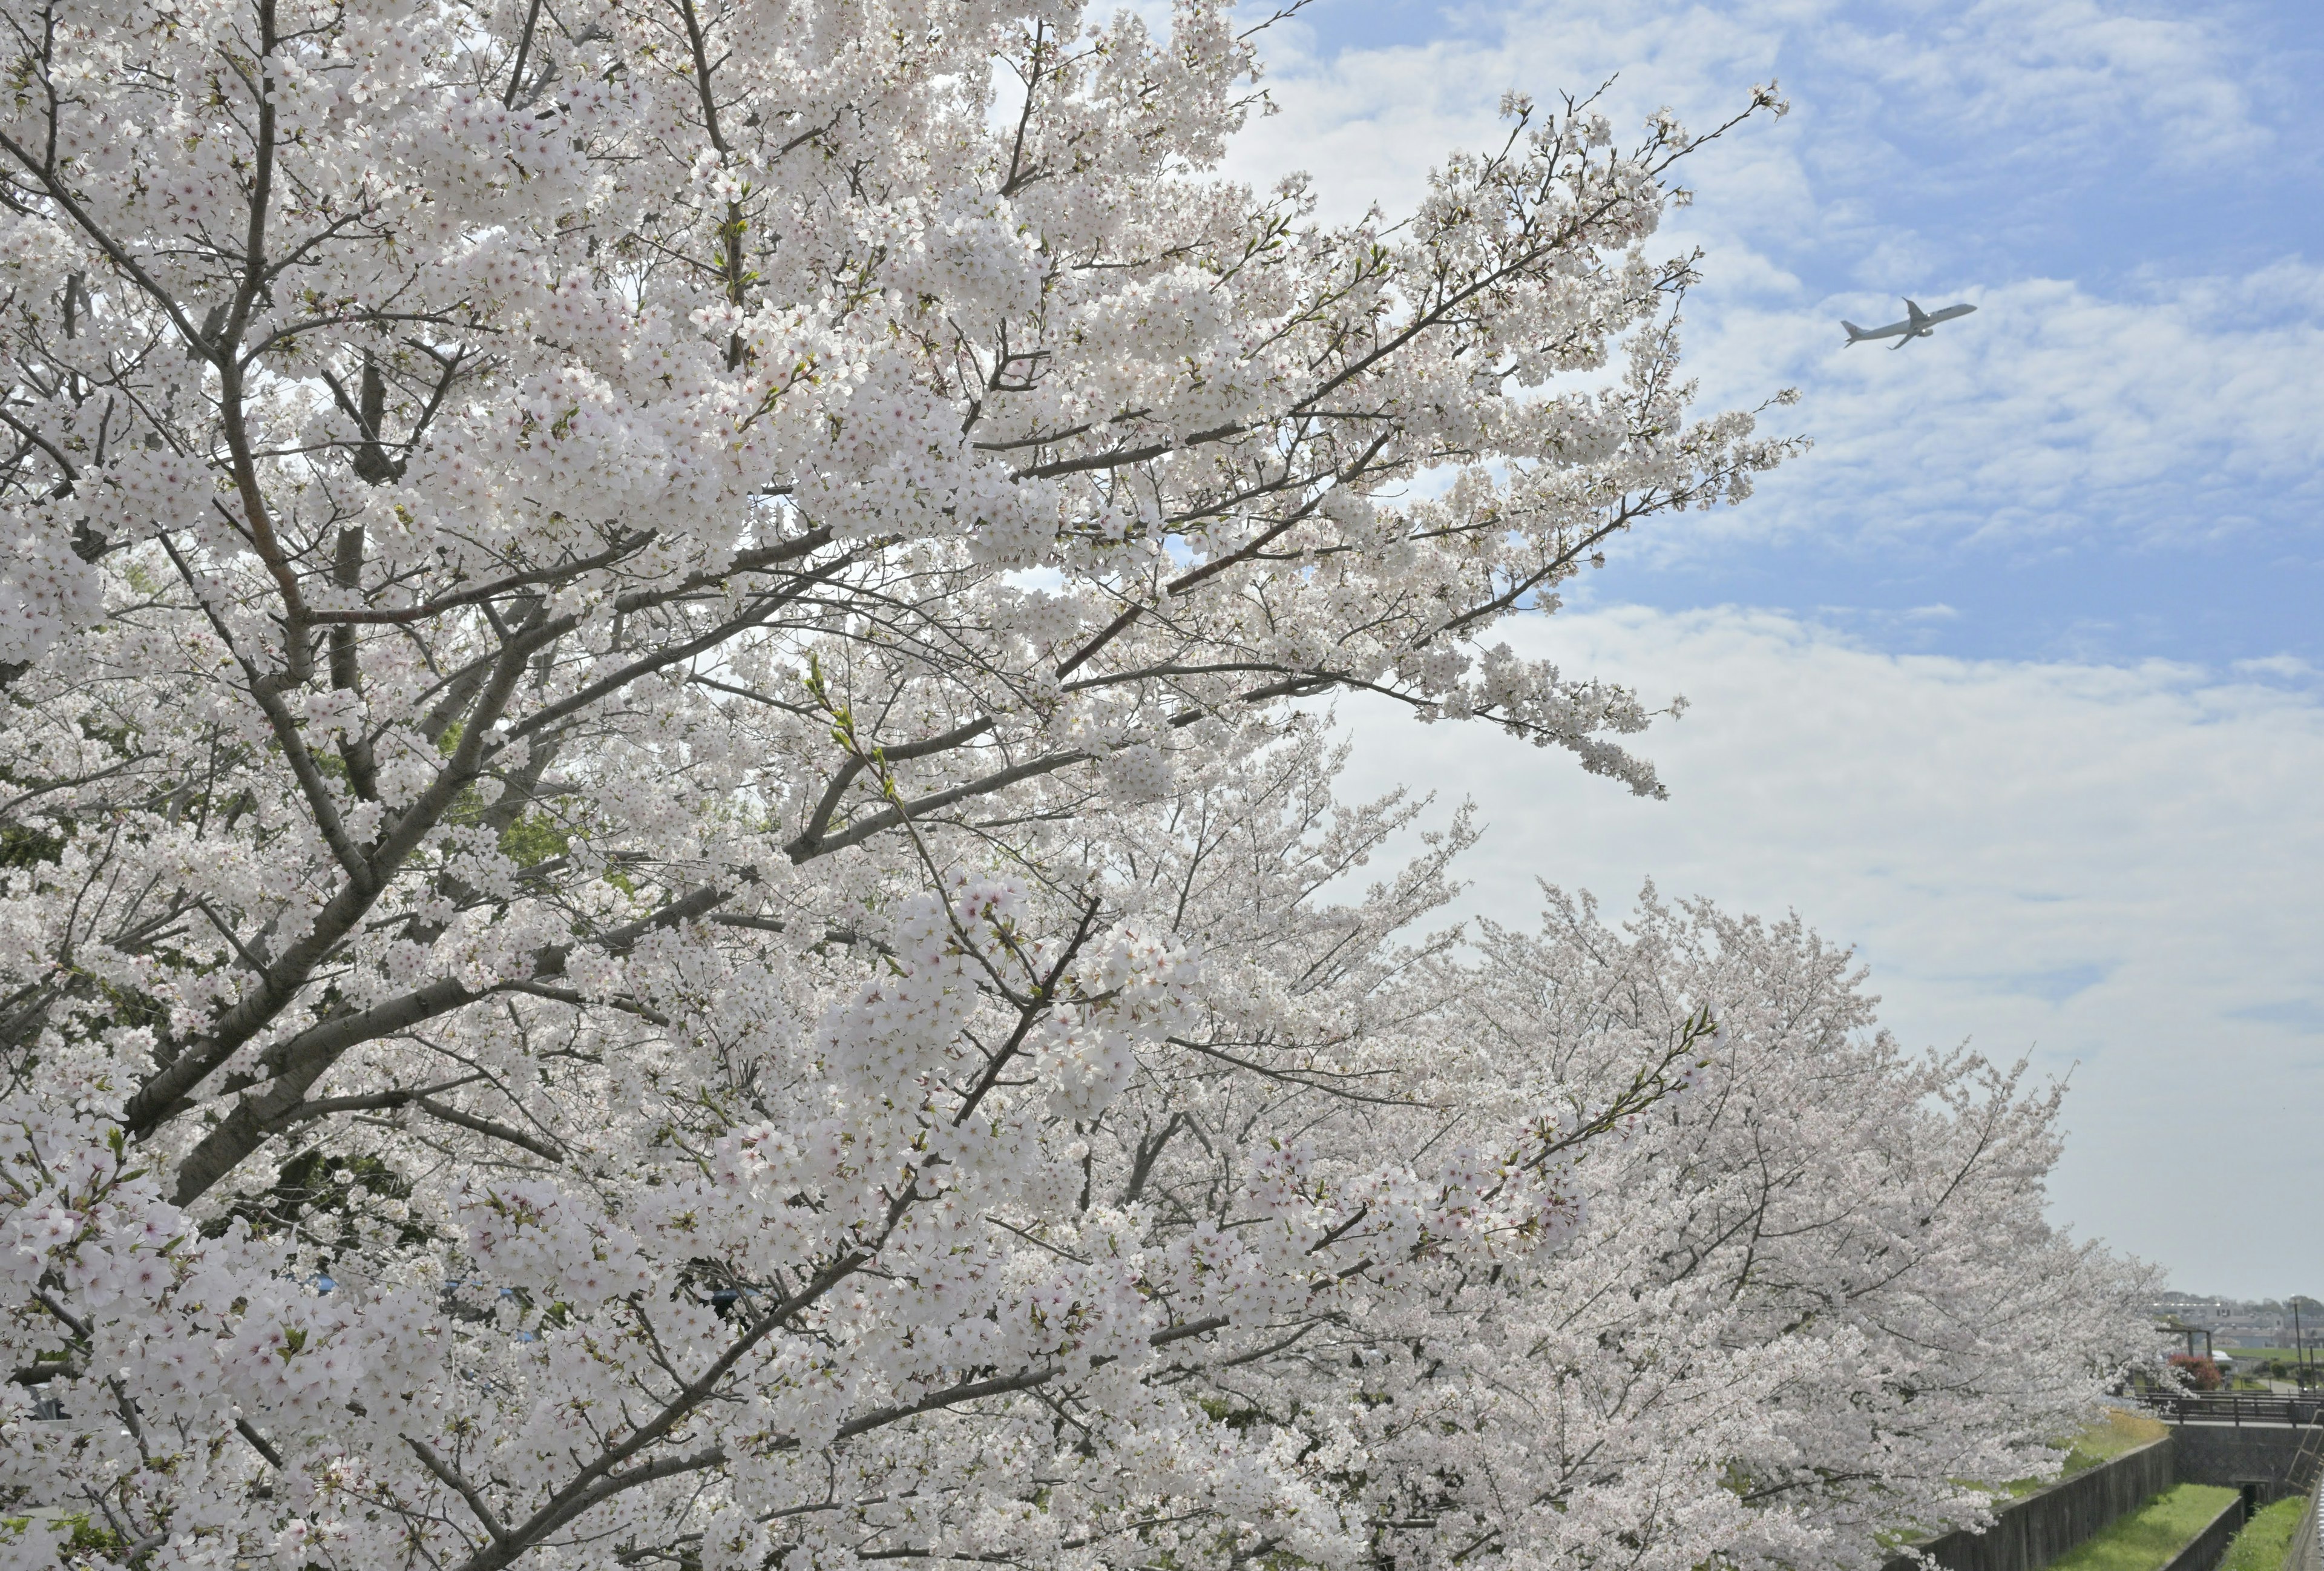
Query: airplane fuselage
pixel 1915 326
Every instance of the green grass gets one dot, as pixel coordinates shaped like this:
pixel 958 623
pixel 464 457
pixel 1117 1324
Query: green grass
pixel 2148 1538
pixel 2119 1431
pixel 2261 1546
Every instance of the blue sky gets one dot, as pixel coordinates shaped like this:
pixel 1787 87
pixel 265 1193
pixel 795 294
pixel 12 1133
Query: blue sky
pixel 2014 682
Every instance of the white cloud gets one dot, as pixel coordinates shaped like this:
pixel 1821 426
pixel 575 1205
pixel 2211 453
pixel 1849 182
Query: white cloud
pixel 2287 667
pixel 2065 82
pixel 1369 123
pixel 2114 865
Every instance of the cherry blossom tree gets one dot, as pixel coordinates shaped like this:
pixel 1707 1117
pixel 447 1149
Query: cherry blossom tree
pixel 1858 1228
pixel 665 895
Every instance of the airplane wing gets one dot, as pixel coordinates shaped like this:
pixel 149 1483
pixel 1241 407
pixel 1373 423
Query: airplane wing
pixel 1920 317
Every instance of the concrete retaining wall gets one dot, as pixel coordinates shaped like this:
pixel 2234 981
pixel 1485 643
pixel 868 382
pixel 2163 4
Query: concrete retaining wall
pixel 2210 1545
pixel 2033 1531
pixel 2238 1454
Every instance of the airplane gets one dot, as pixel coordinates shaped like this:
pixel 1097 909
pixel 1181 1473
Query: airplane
pixel 1917 326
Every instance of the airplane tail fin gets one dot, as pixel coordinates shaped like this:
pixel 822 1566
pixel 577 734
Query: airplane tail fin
pixel 1855 333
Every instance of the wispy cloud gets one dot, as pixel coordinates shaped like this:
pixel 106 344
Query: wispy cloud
pixel 2304 1015
pixel 2058 80
pixel 2182 413
pixel 2053 986
pixel 1926 96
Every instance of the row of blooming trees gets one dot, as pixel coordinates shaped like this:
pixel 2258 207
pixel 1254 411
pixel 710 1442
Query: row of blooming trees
pixel 664 900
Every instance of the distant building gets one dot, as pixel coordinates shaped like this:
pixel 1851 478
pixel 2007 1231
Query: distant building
pixel 2244 1321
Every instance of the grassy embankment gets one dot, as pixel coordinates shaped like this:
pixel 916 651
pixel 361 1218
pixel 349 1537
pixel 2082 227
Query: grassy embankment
pixel 2146 1540
pixel 2260 1545
pixel 2119 1431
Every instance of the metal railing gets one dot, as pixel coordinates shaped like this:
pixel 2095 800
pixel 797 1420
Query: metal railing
pixel 2237 1408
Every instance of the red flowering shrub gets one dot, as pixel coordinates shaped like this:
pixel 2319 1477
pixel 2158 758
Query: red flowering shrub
pixel 2197 1370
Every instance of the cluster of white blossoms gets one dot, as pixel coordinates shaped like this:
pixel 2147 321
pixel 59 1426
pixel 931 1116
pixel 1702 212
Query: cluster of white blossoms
pixel 591 976
pixel 46 585
pixel 1140 772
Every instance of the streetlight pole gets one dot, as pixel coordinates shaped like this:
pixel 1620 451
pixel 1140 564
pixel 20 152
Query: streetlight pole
pixel 2299 1342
